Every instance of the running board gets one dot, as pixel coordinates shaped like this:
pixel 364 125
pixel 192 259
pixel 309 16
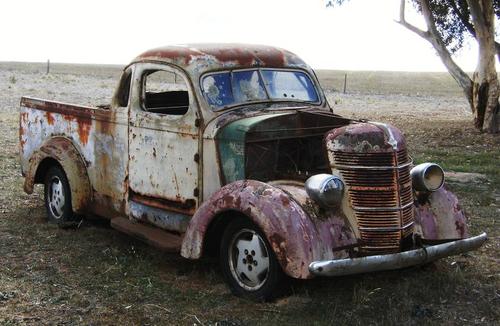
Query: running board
pixel 154 236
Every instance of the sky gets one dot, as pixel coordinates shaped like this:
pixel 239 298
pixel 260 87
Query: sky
pixel 360 35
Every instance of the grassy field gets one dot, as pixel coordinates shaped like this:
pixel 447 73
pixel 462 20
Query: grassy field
pixel 95 275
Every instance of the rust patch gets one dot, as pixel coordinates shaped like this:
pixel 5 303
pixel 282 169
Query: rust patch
pixel 84 126
pixel 461 228
pixel 71 110
pixel 22 122
pixel 57 107
pixel 49 117
pixel 22 142
pixel 172 53
pixel 106 127
pixel 251 56
pixel 278 244
pixel 24 117
pixel 196 56
pixel 175 205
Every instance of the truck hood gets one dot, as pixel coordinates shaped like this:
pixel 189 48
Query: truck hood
pixel 233 139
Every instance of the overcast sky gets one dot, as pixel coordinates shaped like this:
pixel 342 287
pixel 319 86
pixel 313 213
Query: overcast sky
pixel 361 35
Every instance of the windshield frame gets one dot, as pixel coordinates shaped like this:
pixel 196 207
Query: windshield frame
pixel 270 100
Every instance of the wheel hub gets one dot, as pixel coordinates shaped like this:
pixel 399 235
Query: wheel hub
pixel 250 259
pixel 56 197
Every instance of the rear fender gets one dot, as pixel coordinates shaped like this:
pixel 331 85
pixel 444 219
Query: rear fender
pixel 296 238
pixel 63 151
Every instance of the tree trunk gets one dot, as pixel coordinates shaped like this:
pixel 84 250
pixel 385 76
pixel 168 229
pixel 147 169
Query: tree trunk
pixel 485 88
pixel 433 37
pixel 485 106
pixel 483 91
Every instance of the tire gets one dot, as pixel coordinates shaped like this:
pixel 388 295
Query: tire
pixel 248 262
pixel 57 196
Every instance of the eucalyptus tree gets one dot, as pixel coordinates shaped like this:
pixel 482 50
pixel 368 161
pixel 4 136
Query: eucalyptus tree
pixel 449 25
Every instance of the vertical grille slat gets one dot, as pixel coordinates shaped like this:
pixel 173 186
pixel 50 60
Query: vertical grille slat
pixel 381 197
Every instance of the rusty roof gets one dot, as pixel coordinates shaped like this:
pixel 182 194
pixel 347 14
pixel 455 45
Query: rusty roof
pixel 198 58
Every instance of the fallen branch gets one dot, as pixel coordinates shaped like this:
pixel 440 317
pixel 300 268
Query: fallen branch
pixel 159 307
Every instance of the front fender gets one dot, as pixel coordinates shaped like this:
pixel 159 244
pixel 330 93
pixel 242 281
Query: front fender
pixel 65 153
pixel 438 216
pixel 296 237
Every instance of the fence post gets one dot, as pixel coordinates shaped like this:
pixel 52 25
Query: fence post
pixel 48 66
pixel 345 82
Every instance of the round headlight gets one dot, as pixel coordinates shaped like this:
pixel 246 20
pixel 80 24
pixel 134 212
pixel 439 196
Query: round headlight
pixel 326 189
pixel 427 177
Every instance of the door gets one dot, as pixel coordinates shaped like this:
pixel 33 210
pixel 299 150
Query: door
pixel 163 142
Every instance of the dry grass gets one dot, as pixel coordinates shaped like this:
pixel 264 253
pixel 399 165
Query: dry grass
pixel 94 275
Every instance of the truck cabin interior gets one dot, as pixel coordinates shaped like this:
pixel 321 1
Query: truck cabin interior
pixel 165 92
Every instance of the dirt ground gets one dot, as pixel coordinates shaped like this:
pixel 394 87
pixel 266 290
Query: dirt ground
pixel 95 275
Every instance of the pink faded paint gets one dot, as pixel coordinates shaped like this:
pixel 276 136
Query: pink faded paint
pixel 298 235
pixel 440 217
pixel 365 138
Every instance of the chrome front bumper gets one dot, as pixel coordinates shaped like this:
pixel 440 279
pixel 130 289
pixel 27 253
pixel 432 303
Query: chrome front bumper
pixel 395 261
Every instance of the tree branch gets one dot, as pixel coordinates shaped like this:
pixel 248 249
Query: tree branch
pixel 455 71
pixel 432 36
pixel 468 25
pixel 402 21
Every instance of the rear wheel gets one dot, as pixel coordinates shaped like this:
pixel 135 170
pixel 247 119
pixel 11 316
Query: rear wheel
pixel 248 262
pixel 58 197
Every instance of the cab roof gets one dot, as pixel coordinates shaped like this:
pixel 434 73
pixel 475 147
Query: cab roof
pixel 200 58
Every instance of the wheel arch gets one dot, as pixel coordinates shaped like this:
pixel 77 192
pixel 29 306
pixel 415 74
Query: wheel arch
pixel 43 168
pixel 286 225
pixel 216 228
pixel 61 151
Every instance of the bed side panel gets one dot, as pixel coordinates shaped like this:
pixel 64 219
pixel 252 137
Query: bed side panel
pixel 100 136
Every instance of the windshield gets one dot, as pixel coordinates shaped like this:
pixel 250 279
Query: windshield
pixel 229 88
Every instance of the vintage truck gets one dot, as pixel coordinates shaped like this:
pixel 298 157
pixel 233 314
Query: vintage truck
pixel 232 150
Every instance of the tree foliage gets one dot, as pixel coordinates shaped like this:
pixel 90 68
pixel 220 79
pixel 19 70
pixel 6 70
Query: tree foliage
pixel 452 18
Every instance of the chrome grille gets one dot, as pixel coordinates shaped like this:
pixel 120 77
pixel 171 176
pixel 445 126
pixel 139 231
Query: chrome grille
pixel 379 188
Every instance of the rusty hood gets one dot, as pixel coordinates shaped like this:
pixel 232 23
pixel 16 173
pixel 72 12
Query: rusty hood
pixel 235 136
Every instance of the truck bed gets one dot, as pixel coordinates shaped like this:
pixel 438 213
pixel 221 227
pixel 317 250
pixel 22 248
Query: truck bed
pixel 99 134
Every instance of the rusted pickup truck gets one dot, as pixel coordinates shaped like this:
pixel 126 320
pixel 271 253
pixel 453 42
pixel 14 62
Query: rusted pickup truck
pixel 233 150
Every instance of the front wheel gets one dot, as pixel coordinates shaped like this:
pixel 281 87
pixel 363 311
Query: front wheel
pixel 58 197
pixel 248 262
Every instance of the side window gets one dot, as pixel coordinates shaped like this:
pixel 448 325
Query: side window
pixel 164 92
pixel 123 93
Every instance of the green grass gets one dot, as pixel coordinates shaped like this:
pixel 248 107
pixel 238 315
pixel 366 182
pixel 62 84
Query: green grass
pixel 95 275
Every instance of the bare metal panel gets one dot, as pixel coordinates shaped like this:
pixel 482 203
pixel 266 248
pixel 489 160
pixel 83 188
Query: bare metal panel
pixel 163 150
